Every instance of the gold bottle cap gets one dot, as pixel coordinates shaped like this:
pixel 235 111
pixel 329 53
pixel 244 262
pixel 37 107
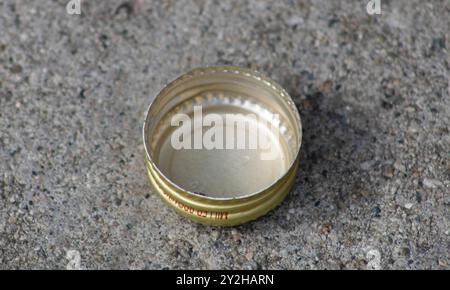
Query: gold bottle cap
pixel 222 144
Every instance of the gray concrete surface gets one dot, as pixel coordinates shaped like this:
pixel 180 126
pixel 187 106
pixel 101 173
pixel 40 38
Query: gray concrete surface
pixel 373 190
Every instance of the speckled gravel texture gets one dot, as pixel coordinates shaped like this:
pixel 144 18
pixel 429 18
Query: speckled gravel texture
pixel 373 189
